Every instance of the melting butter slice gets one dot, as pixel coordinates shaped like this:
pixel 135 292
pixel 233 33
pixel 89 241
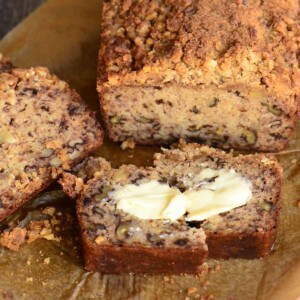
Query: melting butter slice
pixel 151 200
pixel 227 191
pixel 216 191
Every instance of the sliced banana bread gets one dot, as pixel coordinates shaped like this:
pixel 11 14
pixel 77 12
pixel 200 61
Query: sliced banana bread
pixel 5 64
pixel 119 238
pixel 45 128
pixel 117 242
pixel 224 73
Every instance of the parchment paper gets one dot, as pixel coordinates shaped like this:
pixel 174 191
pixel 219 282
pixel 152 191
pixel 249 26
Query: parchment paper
pixel 64 36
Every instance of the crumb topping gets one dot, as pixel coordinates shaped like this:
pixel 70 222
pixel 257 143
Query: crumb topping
pixel 201 43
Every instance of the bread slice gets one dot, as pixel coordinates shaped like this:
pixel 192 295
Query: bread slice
pixel 223 73
pixel 248 231
pixel 45 128
pixel 117 242
pixel 5 64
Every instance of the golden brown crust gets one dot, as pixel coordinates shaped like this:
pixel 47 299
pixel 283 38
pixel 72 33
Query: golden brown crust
pixel 200 42
pixel 247 246
pixel 138 260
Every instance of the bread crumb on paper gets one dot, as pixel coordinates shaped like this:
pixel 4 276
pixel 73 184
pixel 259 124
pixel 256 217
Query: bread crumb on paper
pixel 128 144
pixel 47 260
pixel 15 236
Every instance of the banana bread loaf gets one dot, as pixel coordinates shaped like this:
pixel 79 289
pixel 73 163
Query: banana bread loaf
pixel 45 128
pixel 125 236
pixel 5 64
pixel 224 73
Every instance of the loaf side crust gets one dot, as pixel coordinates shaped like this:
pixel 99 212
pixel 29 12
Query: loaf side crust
pixel 137 260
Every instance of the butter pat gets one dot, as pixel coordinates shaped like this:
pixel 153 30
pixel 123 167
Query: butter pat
pixel 213 192
pixel 151 200
pixel 225 192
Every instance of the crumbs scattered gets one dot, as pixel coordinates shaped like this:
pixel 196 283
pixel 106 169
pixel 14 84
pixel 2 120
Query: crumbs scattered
pixel 128 144
pixel 203 269
pixel 49 211
pixel 217 268
pixel 294 161
pixel 15 236
pixel 29 279
pixel 197 296
pixel 205 284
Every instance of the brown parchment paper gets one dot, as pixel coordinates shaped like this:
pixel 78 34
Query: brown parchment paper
pixel 64 36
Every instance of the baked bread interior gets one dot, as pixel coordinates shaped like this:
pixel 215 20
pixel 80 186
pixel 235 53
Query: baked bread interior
pixel 45 128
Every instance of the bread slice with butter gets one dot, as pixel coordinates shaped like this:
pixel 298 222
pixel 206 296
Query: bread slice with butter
pixel 160 219
pixel 247 231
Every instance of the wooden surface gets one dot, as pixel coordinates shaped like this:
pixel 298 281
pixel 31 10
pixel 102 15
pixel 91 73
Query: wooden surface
pixel 14 11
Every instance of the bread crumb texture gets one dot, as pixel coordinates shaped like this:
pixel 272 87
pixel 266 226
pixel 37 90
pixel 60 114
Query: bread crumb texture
pixel 45 128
